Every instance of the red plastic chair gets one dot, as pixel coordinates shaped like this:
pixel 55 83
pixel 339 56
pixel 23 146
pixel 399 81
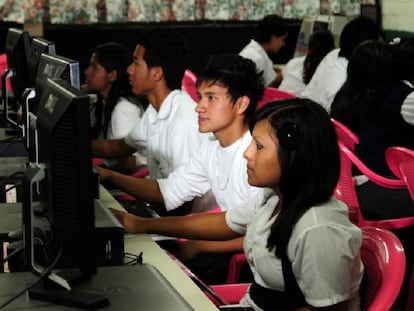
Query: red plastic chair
pixel 188 84
pixel 401 163
pixel 384 259
pixel 345 191
pixel 345 135
pixel 271 93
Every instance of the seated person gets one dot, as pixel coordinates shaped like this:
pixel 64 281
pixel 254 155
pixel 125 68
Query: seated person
pixel 331 72
pixel 271 34
pixel 229 90
pixel 299 70
pixel 303 250
pixel 117 111
pixel 168 130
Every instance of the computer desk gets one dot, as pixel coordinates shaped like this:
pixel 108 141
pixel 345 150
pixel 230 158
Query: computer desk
pixel 153 254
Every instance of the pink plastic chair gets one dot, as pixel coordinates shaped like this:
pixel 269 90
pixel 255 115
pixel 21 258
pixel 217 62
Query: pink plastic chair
pixel 384 259
pixel 3 67
pixel 345 135
pixel 188 84
pixel 345 191
pixel 401 163
pixel 271 93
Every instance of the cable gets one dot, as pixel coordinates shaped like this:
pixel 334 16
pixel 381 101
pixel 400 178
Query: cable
pixel 3 191
pixel 42 276
pixel 6 179
pixel 134 259
pixel 6 259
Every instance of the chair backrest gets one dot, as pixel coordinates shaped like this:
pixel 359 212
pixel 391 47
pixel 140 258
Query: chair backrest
pixel 345 135
pixel 384 260
pixel 188 84
pixel 346 192
pixel 271 93
pixel 401 163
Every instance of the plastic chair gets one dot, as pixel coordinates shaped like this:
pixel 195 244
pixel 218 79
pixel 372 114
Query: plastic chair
pixel 345 191
pixel 384 259
pixel 271 93
pixel 188 84
pixel 345 135
pixel 401 163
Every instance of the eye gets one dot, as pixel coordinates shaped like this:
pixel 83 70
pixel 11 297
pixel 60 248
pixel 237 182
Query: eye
pixel 259 146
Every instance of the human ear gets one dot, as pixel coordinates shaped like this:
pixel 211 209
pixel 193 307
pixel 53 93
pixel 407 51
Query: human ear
pixel 242 104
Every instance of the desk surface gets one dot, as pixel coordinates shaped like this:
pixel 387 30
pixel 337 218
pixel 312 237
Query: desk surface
pixel 154 255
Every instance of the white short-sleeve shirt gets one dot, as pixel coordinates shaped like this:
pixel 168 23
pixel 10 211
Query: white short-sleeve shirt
pixel 328 78
pixel 323 249
pixel 254 51
pixel 125 116
pixel 293 76
pixel 223 170
pixel 170 135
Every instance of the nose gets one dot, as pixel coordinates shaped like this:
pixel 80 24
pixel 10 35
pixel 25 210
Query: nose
pixel 129 69
pixel 247 154
pixel 200 106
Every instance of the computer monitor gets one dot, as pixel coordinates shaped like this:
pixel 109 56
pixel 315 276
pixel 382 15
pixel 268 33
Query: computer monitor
pixel 37 47
pixel 333 23
pixel 69 186
pixel 50 66
pixel 17 47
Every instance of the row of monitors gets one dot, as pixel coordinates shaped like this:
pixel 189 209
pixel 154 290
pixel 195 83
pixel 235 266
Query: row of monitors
pixel 62 178
pixel 31 61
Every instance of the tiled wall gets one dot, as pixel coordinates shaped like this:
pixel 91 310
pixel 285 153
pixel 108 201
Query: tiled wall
pixel 398 15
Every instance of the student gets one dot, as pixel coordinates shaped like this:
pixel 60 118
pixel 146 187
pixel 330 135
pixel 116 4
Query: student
pixel 331 72
pixel 270 37
pixel 168 130
pixel 116 111
pixel 229 90
pixel 299 70
pixel 299 241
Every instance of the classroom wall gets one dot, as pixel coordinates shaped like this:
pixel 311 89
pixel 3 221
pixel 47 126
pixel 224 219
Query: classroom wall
pixel 398 15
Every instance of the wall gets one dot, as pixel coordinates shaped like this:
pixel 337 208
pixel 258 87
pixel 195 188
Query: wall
pixel 398 15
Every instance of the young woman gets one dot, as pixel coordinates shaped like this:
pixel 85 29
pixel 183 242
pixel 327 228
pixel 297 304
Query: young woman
pixel 299 242
pixel 117 111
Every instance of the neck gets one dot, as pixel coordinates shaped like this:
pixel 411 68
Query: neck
pixel 158 95
pixel 230 136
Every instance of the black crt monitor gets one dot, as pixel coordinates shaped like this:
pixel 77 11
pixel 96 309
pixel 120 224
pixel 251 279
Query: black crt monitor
pixel 68 185
pixel 50 66
pixel 17 47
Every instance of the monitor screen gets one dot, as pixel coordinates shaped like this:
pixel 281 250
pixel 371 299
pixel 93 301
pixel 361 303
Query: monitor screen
pixel 68 191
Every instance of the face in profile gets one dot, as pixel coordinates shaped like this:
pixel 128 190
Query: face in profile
pixel 139 74
pixel 263 167
pixel 215 109
pixel 97 77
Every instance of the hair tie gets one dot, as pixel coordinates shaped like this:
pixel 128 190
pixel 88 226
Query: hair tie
pixel 289 136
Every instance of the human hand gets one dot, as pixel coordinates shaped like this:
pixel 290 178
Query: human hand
pixel 104 173
pixel 131 223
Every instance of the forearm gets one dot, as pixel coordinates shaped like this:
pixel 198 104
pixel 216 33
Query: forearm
pixel 229 246
pixel 146 189
pixel 110 148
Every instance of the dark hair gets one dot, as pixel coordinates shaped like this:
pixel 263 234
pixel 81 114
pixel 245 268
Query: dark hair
pixel 403 58
pixel 238 75
pixel 309 160
pixel 168 49
pixel 320 44
pixel 114 56
pixel 356 31
pixel 271 25
pixel 369 78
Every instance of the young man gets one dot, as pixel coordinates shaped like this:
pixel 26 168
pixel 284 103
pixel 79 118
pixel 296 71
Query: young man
pixel 270 37
pixel 168 130
pixel 229 90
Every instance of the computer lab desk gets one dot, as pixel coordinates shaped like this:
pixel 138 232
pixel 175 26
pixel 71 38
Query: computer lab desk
pixel 152 254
